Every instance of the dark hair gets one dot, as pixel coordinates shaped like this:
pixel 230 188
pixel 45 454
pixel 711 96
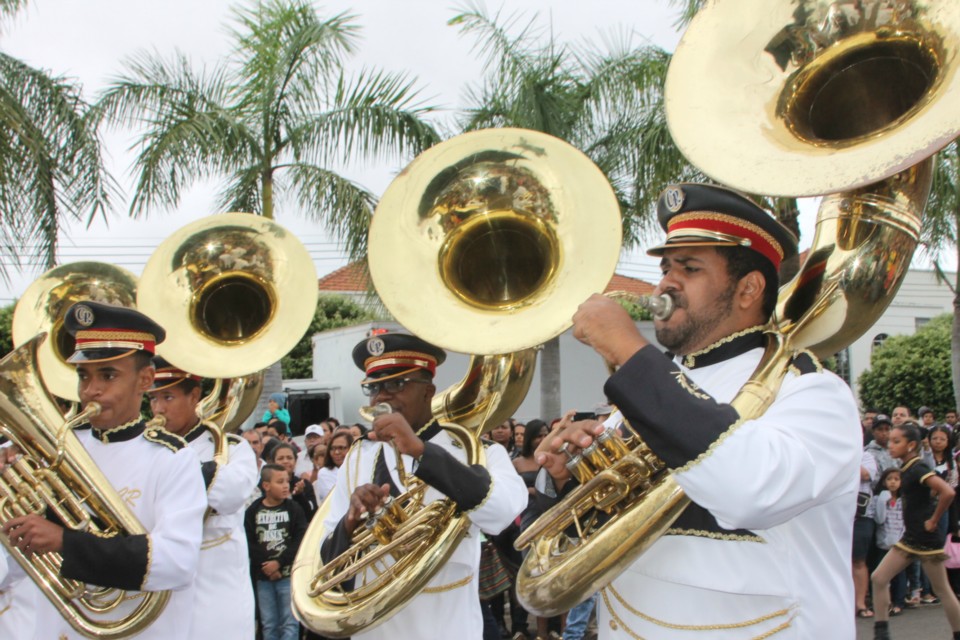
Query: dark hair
pixel 142 360
pixel 266 471
pixel 282 445
pixel 333 422
pixel 911 432
pixel 363 430
pixel 880 486
pixel 257 425
pixel 741 261
pixel 328 459
pixel 532 430
pixel 268 447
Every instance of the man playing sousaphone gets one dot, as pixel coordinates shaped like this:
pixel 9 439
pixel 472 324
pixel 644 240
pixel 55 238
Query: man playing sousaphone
pixel 399 371
pixel 223 603
pixel 155 473
pixel 765 546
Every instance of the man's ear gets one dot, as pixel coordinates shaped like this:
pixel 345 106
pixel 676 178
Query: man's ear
pixel 750 290
pixel 145 378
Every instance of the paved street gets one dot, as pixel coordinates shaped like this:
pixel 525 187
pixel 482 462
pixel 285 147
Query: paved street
pixel 923 623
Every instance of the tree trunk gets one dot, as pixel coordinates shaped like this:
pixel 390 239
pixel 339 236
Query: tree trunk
pixel 955 335
pixel 550 380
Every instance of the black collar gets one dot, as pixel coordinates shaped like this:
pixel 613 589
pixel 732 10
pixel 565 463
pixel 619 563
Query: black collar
pixel 429 430
pixel 729 347
pixel 195 432
pixel 124 432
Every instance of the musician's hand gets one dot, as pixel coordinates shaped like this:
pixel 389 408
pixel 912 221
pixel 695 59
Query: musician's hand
pixel 567 436
pixel 366 499
pixel 34 534
pixel 393 427
pixel 603 324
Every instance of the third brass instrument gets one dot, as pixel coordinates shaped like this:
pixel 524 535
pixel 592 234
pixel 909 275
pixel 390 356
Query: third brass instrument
pixel 795 98
pixel 485 244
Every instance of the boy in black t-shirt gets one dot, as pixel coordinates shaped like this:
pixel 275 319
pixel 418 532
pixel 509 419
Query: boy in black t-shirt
pixel 275 526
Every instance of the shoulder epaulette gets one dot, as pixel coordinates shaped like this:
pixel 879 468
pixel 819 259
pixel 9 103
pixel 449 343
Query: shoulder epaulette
pixel 167 439
pixel 804 362
pixel 233 438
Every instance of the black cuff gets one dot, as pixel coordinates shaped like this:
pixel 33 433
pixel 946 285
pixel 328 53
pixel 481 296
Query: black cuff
pixel 209 471
pixel 678 420
pixel 120 562
pixel 467 485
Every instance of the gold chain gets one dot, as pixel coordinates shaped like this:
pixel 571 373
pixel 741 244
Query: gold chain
pixel 618 621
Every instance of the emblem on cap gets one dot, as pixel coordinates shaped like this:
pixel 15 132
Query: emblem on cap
pixel 375 346
pixel 673 197
pixel 83 314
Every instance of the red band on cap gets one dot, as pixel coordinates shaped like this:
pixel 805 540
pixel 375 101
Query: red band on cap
pixel 396 359
pixel 115 339
pixel 710 222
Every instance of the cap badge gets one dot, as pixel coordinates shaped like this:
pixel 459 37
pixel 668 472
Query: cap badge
pixel 83 314
pixel 375 346
pixel 673 197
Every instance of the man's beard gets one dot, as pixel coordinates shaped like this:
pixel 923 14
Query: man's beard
pixel 682 339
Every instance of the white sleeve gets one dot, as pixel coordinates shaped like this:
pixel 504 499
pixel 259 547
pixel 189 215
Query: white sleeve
pixel 180 502
pixel 234 481
pixel 803 451
pixel 507 496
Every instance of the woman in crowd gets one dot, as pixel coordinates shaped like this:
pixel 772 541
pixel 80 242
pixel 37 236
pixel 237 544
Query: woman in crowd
pixel 301 491
pixel 336 453
pixel 502 434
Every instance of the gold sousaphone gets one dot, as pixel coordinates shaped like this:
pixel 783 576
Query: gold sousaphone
pixel 235 293
pixel 485 244
pixel 795 98
pixel 42 307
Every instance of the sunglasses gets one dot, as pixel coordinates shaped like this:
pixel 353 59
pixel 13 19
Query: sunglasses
pixel 393 385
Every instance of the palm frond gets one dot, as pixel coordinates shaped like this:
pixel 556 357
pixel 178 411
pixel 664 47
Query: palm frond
pixel 343 207
pixel 374 115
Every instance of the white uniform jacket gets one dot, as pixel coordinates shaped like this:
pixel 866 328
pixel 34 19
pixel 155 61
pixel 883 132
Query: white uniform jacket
pixel 766 545
pixel 18 598
pixel 159 478
pixel 223 603
pixel 492 496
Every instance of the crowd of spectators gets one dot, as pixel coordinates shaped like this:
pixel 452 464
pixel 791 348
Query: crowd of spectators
pixel 879 524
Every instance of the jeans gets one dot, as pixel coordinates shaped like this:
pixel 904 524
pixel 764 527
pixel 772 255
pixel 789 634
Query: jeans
pixel 276 616
pixel 577 619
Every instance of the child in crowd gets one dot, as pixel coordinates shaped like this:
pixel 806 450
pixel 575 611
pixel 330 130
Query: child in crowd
pixel 277 408
pixel 888 512
pixel 275 526
pixel 926 497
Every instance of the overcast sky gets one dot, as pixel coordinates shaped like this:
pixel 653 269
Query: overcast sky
pixel 87 41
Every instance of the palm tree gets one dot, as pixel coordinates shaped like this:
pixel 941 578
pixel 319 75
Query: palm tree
pixel 270 122
pixel 51 169
pixel 607 103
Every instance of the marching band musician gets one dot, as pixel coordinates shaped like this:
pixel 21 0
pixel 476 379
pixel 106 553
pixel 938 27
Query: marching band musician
pixel 153 471
pixel 764 548
pixel 399 371
pixel 223 603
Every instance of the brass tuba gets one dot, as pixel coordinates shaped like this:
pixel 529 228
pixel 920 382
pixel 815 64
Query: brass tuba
pixel 235 293
pixel 485 244
pixel 42 306
pixel 56 474
pixel 799 98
